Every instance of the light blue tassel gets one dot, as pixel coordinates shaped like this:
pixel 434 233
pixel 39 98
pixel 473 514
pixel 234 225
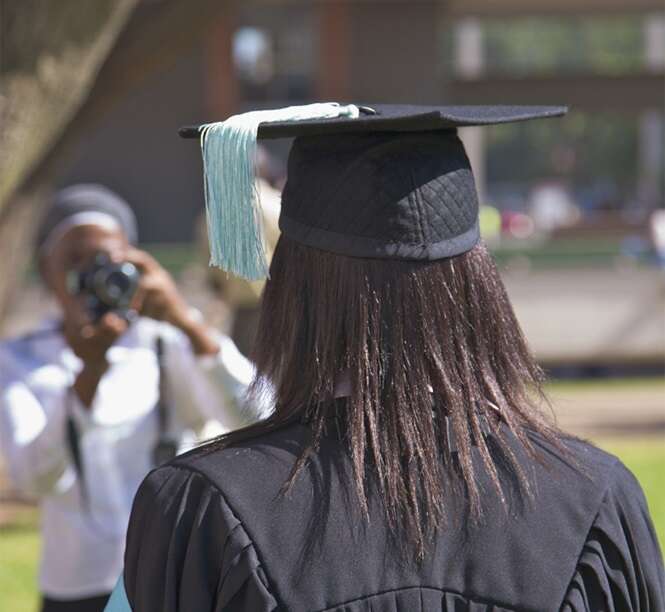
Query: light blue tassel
pixel 235 228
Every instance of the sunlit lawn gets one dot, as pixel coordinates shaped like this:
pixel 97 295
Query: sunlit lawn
pixel 650 383
pixel 646 459
pixel 19 550
pixel 19 542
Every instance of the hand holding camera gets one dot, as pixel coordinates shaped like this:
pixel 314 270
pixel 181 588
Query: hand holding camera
pixel 114 290
pixel 135 285
pixel 156 295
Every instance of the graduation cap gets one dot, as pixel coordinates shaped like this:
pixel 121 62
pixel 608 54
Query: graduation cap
pixel 380 181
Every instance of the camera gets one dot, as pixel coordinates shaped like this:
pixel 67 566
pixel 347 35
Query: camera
pixel 105 285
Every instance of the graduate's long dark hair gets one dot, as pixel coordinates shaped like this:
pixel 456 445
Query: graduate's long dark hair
pixel 417 343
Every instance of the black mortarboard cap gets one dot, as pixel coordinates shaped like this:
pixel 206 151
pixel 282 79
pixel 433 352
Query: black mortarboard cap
pixel 385 182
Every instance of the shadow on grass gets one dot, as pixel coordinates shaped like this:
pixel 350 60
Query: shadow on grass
pixel 18 527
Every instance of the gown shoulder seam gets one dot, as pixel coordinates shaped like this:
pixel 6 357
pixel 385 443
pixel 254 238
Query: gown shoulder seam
pixel 271 584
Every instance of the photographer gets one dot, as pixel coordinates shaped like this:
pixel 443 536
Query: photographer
pixel 90 403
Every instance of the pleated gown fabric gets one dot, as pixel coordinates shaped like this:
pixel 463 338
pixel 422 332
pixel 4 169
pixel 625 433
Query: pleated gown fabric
pixel 211 532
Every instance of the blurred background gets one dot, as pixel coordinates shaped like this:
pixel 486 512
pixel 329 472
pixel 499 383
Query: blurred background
pixel 94 91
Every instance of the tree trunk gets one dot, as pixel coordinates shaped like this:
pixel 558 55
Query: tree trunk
pixel 51 52
pixel 49 57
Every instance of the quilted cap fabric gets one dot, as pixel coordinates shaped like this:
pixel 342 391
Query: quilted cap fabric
pixel 381 195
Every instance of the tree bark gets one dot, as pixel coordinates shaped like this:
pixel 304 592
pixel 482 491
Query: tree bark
pixel 50 53
pixel 57 78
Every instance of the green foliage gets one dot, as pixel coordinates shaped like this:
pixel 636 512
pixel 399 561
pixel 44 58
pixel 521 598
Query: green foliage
pixel 520 46
pixel 592 152
pixel 608 45
pixel 585 149
pixel 646 459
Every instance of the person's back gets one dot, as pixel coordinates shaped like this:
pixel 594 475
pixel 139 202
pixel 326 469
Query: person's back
pixel 584 539
pixel 408 464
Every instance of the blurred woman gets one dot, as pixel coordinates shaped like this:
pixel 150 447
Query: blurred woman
pixel 94 399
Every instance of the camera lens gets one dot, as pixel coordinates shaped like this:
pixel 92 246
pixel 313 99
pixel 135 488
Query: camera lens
pixel 118 282
pixel 115 284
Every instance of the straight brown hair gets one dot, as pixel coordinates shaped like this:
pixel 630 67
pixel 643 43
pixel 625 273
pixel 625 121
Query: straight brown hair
pixel 423 347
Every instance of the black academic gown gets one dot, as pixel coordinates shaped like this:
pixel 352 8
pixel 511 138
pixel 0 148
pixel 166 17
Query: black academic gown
pixel 210 532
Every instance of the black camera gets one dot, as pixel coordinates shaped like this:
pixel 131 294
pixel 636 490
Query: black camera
pixel 105 285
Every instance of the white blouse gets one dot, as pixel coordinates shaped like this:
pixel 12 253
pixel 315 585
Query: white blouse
pixel 83 541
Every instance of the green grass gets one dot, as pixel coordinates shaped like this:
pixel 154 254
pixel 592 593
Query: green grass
pixel 645 457
pixel 19 554
pixel 19 542
pixel 562 252
pixel 19 550
pixel 648 383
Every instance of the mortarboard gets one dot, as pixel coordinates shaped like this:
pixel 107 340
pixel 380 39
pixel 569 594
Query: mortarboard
pixel 379 181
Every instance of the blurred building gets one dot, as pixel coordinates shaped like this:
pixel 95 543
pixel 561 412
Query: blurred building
pixel 606 58
pixel 572 194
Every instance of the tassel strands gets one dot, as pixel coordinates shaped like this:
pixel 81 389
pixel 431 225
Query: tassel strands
pixel 235 231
